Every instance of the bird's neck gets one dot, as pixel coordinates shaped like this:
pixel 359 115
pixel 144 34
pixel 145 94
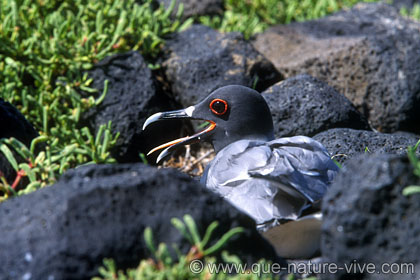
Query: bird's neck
pixel 220 142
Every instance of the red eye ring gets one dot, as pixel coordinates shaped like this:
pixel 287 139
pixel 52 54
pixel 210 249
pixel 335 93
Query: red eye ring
pixel 218 106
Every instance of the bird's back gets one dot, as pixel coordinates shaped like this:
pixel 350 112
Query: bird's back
pixel 271 181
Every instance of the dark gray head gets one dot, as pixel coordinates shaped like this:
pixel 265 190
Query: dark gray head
pixel 234 113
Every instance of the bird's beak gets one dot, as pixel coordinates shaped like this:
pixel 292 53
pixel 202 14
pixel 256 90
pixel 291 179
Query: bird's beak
pixel 172 145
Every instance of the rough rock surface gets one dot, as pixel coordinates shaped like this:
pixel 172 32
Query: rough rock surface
pixel 200 60
pixel 99 211
pixel 196 7
pixel 367 218
pixel 369 53
pixel 345 143
pixel 405 3
pixel 131 98
pixel 303 105
pixel 13 124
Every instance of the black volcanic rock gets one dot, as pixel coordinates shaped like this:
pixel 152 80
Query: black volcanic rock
pixel 369 53
pixel 100 211
pixel 200 60
pixel 131 98
pixel 345 143
pixel 405 3
pixel 367 219
pixel 303 105
pixel 194 8
pixel 14 124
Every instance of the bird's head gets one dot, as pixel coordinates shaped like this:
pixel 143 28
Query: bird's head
pixel 234 112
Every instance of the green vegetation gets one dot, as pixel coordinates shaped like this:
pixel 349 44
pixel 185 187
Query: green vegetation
pixel 411 153
pixel 45 46
pixel 252 16
pixel 194 265
pixel 413 13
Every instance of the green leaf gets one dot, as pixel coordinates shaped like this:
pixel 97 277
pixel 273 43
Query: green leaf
pixel 9 155
pixel 410 190
pixel 148 238
pixel 225 238
pixel 415 162
pixel 209 231
pixel 192 228
pixel 20 148
pixel 143 158
pixel 163 254
pixel 105 91
pixel 98 135
pixel 105 144
pixel 36 141
pixel 33 186
pixel 29 172
pixel 230 258
pixel 180 226
pixel 337 163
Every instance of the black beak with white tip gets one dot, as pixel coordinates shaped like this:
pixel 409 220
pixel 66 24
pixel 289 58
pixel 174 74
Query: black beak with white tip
pixel 177 114
pixel 172 145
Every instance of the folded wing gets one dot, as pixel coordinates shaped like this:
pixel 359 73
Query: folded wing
pixel 272 181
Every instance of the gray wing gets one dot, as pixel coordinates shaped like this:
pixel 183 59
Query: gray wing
pixel 301 163
pixel 269 180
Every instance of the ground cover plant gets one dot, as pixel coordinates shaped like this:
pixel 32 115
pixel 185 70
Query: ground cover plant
pixel 196 264
pixel 252 16
pixel 45 46
pixel 413 13
pixel 411 153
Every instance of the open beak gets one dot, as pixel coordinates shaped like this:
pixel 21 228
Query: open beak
pixel 172 145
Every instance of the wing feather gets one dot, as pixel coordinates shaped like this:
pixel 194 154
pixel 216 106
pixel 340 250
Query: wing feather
pixel 271 180
pixel 301 163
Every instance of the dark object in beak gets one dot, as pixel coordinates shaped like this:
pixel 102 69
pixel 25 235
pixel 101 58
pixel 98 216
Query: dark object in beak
pixel 172 145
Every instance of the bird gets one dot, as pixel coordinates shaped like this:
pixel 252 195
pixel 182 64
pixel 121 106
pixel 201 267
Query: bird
pixel 278 182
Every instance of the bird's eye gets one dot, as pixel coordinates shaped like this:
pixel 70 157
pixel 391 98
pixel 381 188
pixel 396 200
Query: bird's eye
pixel 218 106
